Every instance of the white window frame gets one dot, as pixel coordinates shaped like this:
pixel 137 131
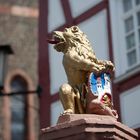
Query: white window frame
pixel 118 38
pixel 133 12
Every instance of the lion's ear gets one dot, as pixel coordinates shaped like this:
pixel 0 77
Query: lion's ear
pixel 74 29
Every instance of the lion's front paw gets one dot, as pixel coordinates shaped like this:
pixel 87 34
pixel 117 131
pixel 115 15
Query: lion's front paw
pixel 67 111
pixel 109 66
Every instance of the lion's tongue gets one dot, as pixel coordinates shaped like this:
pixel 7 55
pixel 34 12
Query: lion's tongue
pixel 52 41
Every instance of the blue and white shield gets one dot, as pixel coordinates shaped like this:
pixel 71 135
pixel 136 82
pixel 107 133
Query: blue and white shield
pixel 100 85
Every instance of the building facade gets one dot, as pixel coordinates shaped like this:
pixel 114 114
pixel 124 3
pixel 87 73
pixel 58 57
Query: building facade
pixel 113 28
pixel 19 114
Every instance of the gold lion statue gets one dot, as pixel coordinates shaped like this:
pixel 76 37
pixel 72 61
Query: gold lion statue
pixel 80 62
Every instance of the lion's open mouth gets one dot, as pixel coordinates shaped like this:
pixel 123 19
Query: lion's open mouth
pixel 56 40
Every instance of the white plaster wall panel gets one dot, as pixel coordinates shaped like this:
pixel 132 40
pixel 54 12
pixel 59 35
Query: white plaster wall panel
pixel 96 30
pixel 57 73
pixel 56 110
pixel 130 107
pixel 55 15
pixel 118 37
pixel 80 6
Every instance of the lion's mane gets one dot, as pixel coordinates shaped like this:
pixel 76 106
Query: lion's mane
pixel 79 42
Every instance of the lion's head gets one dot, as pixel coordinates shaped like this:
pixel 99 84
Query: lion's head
pixel 71 37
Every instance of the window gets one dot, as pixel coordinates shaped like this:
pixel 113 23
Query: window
pixel 131 19
pixel 127 5
pixel 18 109
pixel 129 25
pixel 137 2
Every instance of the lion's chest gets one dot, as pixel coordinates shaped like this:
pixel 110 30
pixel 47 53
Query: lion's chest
pixel 74 75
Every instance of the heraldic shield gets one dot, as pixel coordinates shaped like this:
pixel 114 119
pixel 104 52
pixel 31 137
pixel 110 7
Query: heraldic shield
pixel 100 86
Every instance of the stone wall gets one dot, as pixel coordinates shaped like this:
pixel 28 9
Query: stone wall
pixel 21 32
pixel 28 3
pixel 1 119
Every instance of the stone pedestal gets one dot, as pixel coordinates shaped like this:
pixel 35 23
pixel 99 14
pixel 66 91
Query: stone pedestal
pixel 88 127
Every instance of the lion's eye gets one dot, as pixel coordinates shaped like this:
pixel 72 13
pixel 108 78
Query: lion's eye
pixel 66 30
pixel 77 39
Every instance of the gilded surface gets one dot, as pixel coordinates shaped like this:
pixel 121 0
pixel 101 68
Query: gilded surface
pixel 79 60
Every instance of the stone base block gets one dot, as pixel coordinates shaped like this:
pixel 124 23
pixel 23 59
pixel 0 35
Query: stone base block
pixel 88 127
